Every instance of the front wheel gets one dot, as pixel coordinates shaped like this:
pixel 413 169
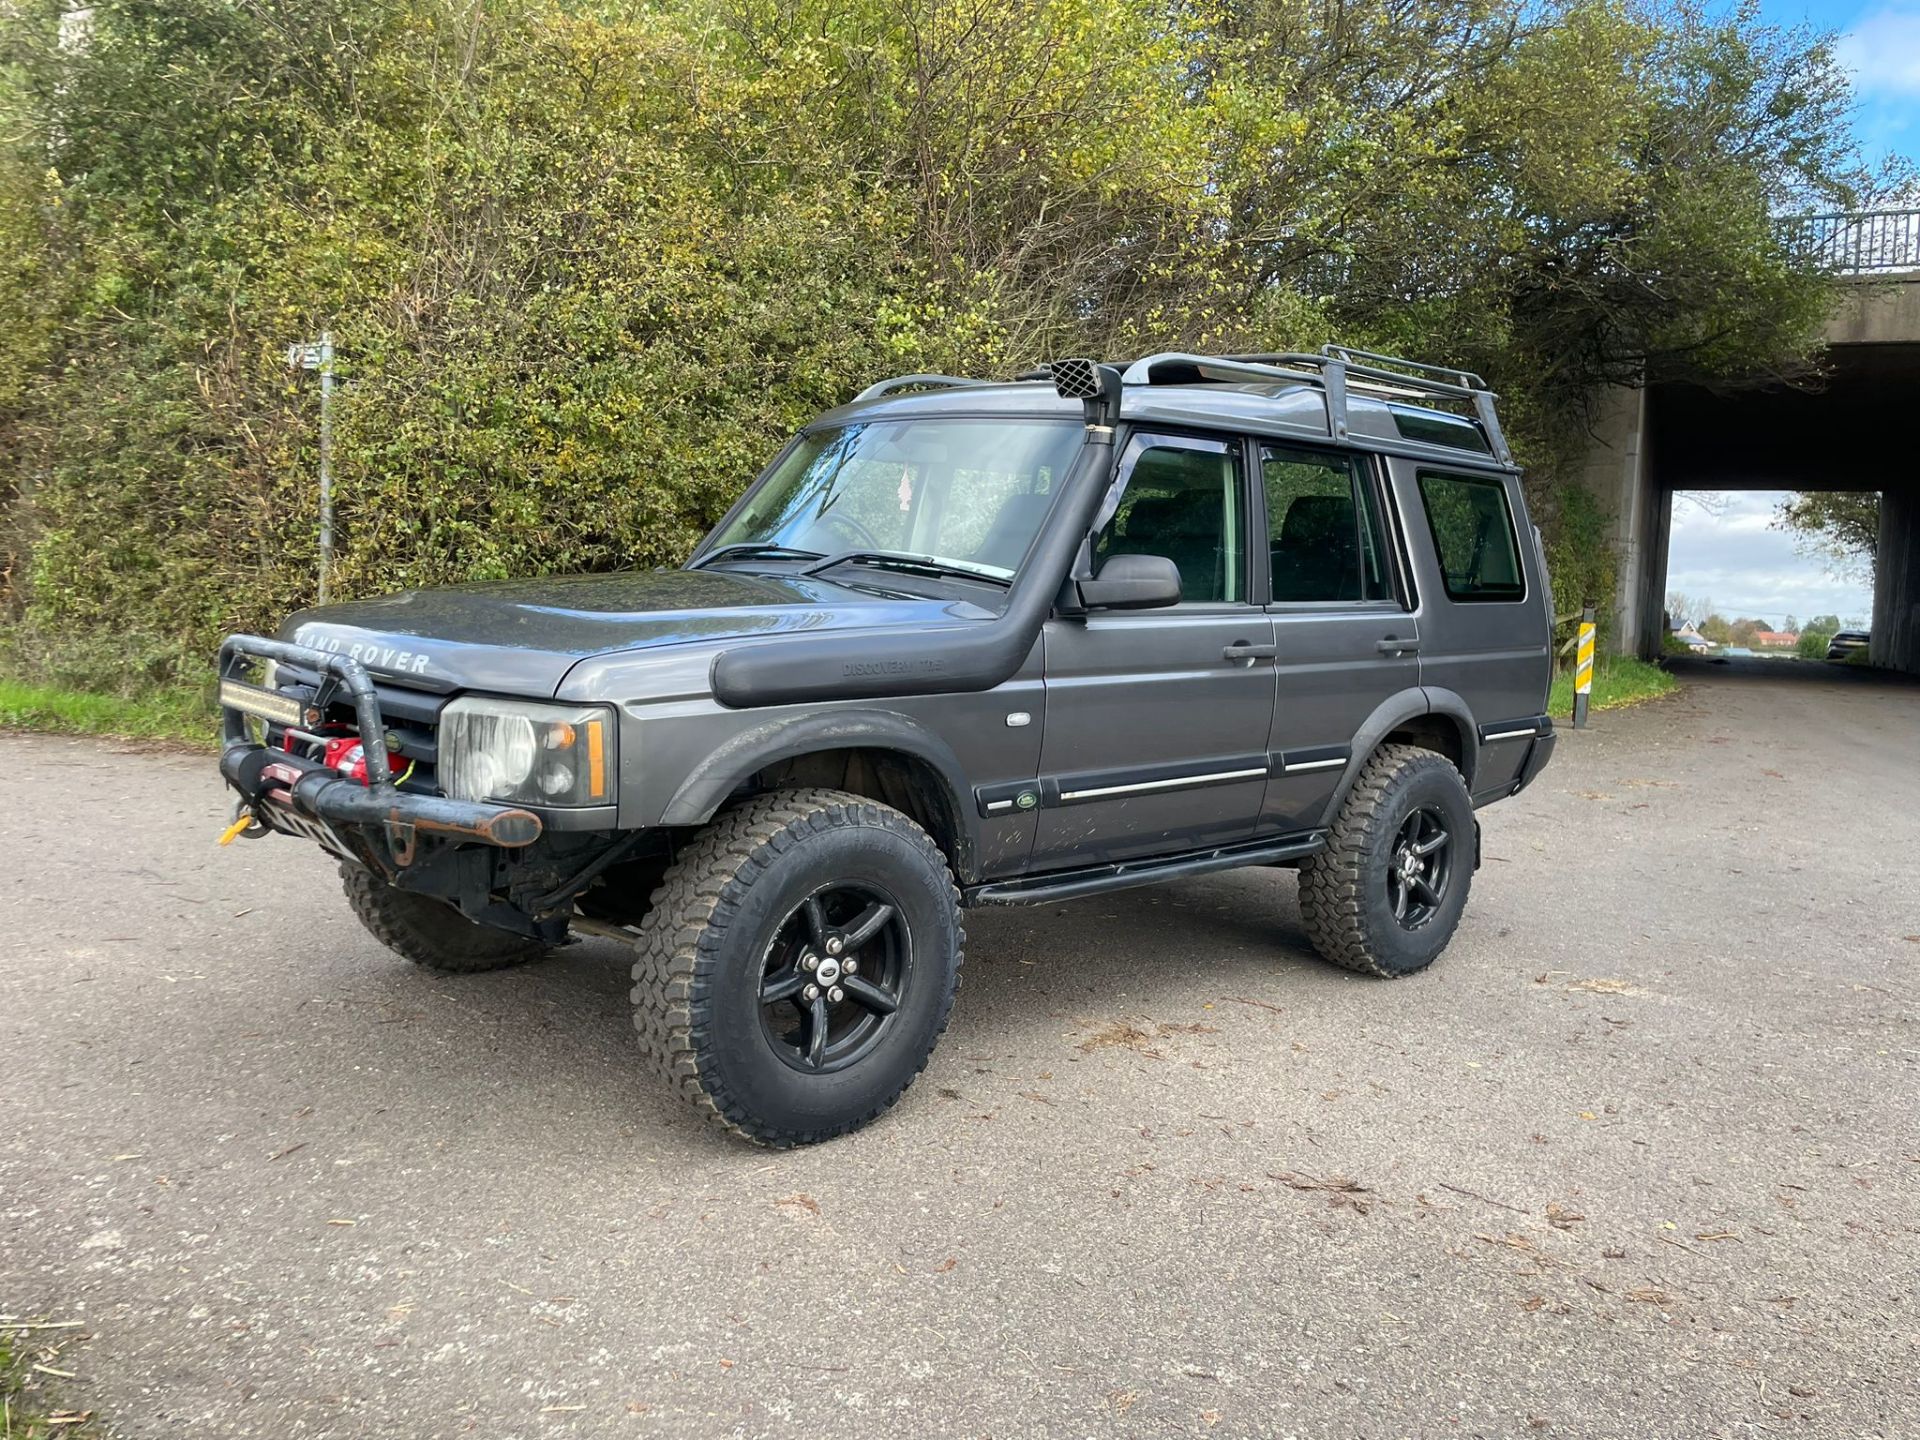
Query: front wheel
pixel 430 932
pixel 1386 894
pixel 798 963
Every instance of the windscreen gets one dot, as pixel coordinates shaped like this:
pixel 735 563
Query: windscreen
pixel 971 493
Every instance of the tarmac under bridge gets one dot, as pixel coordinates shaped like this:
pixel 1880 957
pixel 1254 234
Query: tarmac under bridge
pixel 1860 430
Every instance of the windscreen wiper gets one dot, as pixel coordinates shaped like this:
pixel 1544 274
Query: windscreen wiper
pixel 907 564
pixel 752 550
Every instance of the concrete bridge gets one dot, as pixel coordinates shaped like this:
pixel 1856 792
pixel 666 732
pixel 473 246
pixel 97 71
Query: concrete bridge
pixel 1858 430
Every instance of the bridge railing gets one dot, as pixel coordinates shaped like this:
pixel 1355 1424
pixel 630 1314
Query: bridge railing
pixel 1857 242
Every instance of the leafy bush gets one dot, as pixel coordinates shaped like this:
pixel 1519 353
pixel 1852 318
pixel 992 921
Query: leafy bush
pixel 587 264
pixel 1812 644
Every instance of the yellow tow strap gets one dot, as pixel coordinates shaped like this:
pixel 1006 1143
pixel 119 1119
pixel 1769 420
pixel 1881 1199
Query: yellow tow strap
pixel 232 832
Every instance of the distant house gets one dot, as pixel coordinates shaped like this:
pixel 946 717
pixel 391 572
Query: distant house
pixel 1776 639
pixel 1688 634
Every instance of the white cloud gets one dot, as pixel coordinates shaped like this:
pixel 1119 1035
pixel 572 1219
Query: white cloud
pixel 1732 556
pixel 1883 52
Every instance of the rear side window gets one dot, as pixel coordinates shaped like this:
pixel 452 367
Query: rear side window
pixel 1323 529
pixel 1473 535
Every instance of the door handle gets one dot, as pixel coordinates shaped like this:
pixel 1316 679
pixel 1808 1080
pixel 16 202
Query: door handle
pixel 1391 646
pixel 1244 653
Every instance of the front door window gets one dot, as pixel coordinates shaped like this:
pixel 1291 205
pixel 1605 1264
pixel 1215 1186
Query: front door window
pixel 1182 499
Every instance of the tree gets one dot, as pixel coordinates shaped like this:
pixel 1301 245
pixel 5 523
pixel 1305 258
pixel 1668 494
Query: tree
pixel 1790 625
pixel 1716 629
pixel 1841 527
pixel 1743 630
pixel 1683 607
pixel 588 263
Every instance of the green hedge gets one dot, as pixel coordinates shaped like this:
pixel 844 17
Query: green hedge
pixel 588 263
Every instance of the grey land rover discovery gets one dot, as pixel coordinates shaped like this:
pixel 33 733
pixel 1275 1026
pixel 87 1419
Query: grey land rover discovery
pixel 963 643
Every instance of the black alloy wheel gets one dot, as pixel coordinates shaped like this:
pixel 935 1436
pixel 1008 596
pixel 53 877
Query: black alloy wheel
pixel 1387 892
pixel 1420 867
pixel 798 962
pixel 835 975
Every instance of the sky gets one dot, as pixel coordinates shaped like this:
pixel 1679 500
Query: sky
pixel 1880 45
pixel 1735 559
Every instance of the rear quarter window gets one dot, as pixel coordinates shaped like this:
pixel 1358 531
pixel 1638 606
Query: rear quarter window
pixel 1473 536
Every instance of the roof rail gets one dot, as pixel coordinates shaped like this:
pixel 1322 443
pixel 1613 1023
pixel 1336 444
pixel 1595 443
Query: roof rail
pixel 912 382
pixel 1330 371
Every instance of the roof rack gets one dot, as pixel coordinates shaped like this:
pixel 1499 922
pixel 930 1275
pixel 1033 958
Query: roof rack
pixel 915 382
pixel 1334 370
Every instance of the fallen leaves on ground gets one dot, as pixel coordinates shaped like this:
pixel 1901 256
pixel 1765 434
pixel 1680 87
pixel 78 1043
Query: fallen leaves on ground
pixel 1116 1032
pixel 798 1201
pixel 1601 985
pixel 1562 1218
pixel 1342 1191
pixel 1125 1034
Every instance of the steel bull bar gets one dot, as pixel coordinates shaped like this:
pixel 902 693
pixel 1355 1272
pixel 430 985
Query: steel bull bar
pixel 311 790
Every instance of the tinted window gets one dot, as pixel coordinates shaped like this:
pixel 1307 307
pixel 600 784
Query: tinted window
pixel 1183 503
pixel 1473 534
pixel 1323 527
pixel 1437 428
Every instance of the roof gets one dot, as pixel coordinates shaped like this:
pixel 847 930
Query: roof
pixel 1282 410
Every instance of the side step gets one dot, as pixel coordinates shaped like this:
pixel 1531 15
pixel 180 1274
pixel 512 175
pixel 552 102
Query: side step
pixel 1123 875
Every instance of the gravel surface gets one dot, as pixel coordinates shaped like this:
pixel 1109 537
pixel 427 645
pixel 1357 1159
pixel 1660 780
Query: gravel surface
pixel 1639 1157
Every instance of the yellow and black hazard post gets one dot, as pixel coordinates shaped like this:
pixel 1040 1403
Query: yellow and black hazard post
pixel 1583 668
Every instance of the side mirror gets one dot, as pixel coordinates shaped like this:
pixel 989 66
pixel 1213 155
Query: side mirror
pixel 1132 582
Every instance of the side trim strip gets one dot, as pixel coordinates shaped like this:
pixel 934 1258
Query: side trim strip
pixel 1212 777
pixel 1526 726
pixel 1309 758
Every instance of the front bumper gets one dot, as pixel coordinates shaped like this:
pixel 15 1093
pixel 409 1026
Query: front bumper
pixel 377 824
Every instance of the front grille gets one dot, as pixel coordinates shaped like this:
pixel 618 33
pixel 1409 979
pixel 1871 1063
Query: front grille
pixel 412 717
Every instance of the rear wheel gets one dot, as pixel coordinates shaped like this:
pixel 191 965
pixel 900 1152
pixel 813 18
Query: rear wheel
pixel 1386 894
pixel 798 963
pixel 429 932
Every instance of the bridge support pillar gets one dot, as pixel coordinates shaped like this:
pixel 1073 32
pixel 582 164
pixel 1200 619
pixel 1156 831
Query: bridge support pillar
pixel 1617 475
pixel 1896 588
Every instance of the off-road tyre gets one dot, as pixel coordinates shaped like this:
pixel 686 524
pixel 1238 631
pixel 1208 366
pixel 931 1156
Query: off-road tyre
pixel 429 932
pixel 712 932
pixel 1344 894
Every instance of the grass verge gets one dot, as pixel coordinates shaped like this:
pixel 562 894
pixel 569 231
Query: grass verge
pixel 1617 680
pixel 28 1411
pixel 180 716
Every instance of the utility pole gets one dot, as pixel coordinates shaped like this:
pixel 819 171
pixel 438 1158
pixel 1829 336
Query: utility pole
pixel 318 355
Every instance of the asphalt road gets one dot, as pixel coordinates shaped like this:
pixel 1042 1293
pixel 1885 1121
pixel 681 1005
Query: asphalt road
pixel 1639 1157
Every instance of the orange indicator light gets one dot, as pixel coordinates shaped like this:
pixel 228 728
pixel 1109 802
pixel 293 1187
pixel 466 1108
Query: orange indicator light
pixel 597 759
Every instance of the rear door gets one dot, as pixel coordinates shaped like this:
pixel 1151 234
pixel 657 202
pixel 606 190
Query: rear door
pixel 1157 720
pixel 1345 632
pixel 1489 631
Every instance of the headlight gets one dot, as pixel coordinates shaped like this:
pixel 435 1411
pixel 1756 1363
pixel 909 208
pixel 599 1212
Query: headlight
pixel 525 753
